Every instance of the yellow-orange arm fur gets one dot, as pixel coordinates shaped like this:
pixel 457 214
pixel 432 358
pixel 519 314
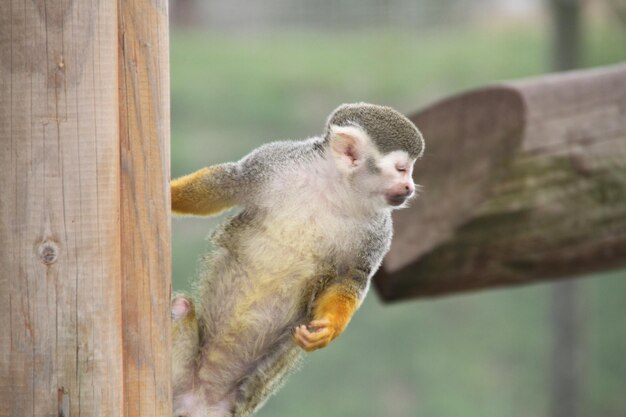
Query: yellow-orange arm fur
pixel 332 312
pixel 205 192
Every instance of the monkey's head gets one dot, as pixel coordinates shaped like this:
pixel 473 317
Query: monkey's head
pixel 375 147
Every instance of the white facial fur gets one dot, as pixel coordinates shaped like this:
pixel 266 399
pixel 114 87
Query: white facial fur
pixel 397 170
pixel 386 179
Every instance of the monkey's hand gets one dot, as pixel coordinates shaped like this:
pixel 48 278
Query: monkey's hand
pixel 315 335
pixel 332 313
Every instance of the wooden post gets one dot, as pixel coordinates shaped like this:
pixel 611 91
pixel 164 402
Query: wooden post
pixel 84 219
pixel 145 206
pixel 523 182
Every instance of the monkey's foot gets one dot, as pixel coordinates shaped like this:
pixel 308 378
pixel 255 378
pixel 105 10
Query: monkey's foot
pixel 315 335
pixel 181 307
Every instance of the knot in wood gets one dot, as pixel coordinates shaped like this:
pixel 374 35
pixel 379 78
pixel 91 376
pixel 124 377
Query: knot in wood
pixel 63 402
pixel 48 252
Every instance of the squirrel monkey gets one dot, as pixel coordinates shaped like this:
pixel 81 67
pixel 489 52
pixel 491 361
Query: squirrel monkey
pixel 289 271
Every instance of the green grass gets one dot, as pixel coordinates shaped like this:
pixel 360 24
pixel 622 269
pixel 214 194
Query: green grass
pixel 482 355
pixel 248 90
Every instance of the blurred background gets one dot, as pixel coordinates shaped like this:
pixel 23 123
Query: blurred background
pixel 244 73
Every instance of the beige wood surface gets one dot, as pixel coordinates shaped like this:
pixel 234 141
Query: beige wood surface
pixel 59 205
pixel 145 208
pixel 84 226
pixel 523 182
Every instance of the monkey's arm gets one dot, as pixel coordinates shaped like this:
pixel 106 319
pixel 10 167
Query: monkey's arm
pixel 336 304
pixel 209 190
pixel 332 312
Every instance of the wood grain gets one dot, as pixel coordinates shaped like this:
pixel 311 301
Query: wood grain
pixel 60 342
pixel 523 182
pixel 145 207
pixel 84 213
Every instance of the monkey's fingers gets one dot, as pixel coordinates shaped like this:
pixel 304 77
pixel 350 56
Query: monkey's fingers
pixel 320 334
pixel 310 341
pixel 306 346
pixel 312 346
pixel 319 324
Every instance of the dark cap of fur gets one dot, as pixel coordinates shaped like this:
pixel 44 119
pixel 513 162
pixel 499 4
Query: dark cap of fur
pixel 389 129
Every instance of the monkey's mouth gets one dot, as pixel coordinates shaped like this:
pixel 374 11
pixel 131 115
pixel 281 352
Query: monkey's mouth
pixel 396 200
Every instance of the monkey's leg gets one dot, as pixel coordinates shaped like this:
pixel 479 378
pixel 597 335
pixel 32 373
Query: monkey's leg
pixel 185 342
pixel 207 191
pixel 266 379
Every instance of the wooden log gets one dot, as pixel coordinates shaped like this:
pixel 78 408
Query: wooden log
pixel 84 226
pixel 523 182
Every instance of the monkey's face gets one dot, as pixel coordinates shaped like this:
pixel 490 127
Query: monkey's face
pixel 385 180
pixel 396 174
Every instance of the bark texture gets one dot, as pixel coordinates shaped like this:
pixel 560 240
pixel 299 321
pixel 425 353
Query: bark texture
pixel 523 182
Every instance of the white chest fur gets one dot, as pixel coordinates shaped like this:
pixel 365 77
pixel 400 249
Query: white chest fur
pixel 315 210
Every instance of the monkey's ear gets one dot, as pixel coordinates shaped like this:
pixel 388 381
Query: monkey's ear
pixel 348 145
